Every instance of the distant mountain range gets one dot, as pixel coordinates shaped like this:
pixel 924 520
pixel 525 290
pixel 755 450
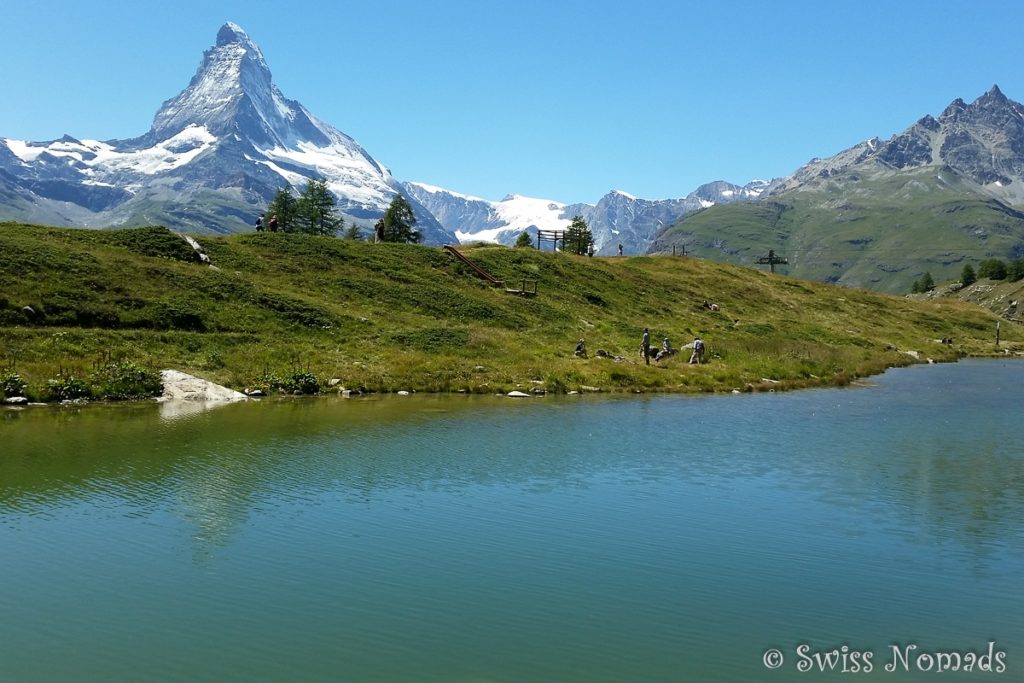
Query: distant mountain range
pixel 944 192
pixel 618 218
pixel 216 153
pixel 947 191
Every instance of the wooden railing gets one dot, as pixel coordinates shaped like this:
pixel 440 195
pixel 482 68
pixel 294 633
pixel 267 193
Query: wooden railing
pixel 526 288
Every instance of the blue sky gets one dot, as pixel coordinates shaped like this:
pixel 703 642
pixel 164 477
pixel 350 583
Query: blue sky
pixel 558 99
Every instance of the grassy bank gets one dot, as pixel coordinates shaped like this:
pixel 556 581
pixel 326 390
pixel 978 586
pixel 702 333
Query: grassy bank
pixel 388 317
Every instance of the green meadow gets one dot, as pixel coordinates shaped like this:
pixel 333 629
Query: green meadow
pixel 275 311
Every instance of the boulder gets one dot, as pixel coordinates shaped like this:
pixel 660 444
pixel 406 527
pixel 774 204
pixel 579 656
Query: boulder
pixel 180 386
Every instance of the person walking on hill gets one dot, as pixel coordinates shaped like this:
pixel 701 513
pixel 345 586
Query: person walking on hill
pixel 273 224
pixel 698 351
pixel 259 223
pixel 645 346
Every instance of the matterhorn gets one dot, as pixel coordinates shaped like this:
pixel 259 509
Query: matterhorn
pixel 213 158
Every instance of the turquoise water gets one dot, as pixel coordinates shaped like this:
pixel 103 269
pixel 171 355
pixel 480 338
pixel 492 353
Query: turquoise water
pixel 482 539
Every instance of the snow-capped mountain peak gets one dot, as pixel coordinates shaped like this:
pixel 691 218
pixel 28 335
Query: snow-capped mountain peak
pixel 232 92
pixel 618 218
pixel 214 157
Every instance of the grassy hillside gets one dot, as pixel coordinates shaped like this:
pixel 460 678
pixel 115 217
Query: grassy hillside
pixel 1002 297
pixel 389 317
pixel 881 232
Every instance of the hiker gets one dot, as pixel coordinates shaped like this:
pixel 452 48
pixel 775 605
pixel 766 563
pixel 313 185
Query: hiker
pixel 581 349
pixel 620 249
pixel 259 223
pixel 645 346
pixel 378 231
pixel 590 249
pixel 666 350
pixel 273 224
pixel 698 351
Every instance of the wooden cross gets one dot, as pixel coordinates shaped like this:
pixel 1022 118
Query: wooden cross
pixel 771 259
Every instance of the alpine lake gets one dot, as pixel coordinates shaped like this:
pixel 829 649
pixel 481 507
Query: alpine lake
pixel 818 535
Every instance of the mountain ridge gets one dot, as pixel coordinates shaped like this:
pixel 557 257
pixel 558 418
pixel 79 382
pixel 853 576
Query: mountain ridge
pixel 212 159
pixel 944 192
pixel 617 218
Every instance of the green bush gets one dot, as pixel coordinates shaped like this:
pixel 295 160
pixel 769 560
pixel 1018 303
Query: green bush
pixel 125 380
pixel 267 382
pixel 1016 271
pixel 66 388
pixel 12 384
pixel 992 268
pixel 967 275
pixel 301 382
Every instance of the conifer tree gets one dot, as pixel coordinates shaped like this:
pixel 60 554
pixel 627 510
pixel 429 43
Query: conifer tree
pixel 399 221
pixel 524 240
pixel 314 211
pixel 578 236
pixel 283 206
pixel 967 276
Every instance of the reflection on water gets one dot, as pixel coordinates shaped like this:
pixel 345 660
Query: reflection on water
pixel 700 526
pixel 177 409
pixel 948 460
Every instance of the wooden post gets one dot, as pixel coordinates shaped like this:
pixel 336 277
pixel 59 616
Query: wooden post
pixel 997 333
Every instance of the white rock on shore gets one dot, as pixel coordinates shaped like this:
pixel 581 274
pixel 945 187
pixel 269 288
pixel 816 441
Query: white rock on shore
pixel 180 386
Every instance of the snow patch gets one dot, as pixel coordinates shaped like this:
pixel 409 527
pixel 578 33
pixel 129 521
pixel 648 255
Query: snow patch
pixel 24 150
pixel 172 153
pixel 434 189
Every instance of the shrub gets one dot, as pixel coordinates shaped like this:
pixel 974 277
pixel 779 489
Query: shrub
pixel 1016 271
pixel 267 382
pixel 992 268
pixel 967 276
pixel 301 382
pixel 12 384
pixel 125 380
pixel 66 388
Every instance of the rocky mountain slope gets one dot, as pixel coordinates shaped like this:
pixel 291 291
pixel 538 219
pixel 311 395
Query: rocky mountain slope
pixel 618 218
pixel 213 157
pixel 944 192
